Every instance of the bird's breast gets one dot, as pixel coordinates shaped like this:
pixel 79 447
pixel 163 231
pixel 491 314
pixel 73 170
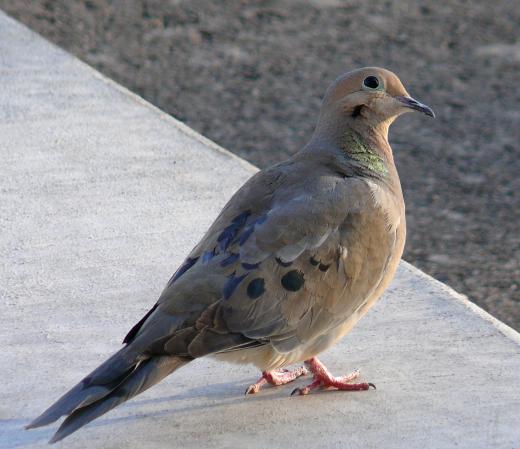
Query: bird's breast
pixel 371 243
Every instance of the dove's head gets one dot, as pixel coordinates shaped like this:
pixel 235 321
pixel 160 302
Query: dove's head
pixel 372 92
pixel 370 97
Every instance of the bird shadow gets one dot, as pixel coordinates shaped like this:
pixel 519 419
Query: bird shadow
pixel 13 435
pixel 211 396
pixel 227 393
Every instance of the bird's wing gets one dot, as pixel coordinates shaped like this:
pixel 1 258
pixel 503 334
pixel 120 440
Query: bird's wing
pixel 259 270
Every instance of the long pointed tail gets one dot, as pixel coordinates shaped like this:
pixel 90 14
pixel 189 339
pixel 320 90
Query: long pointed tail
pixel 120 378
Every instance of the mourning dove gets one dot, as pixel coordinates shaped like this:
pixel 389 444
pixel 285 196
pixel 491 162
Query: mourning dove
pixel 297 256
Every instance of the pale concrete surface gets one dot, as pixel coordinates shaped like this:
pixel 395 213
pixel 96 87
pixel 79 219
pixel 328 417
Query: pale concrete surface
pixel 101 196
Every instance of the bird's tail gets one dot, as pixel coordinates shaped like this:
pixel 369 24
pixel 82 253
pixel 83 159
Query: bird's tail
pixel 121 377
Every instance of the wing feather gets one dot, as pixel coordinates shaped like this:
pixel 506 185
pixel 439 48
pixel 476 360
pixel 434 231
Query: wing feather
pixel 255 267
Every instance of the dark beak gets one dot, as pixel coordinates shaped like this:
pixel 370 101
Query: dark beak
pixel 409 102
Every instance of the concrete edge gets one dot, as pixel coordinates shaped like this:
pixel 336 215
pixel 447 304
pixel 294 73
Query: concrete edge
pixel 185 129
pixel 503 328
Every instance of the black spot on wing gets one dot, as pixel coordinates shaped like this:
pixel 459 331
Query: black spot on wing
pixel 251 266
pixel 293 280
pixel 317 263
pixel 231 284
pixel 188 263
pixel 256 288
pixel 282 263
pixel 323 267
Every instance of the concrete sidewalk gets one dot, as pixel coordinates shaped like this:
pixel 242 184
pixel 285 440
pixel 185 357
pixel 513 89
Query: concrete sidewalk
pixel 101 197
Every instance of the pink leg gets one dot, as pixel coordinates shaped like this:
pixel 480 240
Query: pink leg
pixel 323 378
pixel 276 377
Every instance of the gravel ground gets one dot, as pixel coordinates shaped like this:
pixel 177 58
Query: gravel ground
pixel 250 75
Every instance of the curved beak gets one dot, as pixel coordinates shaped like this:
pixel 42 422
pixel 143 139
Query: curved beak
pixel 409 102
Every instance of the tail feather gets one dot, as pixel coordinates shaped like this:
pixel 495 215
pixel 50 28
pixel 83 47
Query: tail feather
pixel 145 375
pixel 92 388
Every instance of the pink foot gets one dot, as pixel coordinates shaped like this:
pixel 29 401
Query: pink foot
pixel 323 379
pixel 276 377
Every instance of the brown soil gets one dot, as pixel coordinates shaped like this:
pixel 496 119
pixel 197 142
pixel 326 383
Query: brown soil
pixel 250 75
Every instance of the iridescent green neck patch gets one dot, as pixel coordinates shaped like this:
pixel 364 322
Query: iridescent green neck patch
pixel 356 148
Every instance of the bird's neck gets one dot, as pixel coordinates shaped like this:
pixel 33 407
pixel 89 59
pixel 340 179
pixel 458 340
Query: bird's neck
pixel 364 144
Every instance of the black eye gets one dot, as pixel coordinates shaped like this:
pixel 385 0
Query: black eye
pixel 371 82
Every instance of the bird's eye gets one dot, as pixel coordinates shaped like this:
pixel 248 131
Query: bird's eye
pixel 371 82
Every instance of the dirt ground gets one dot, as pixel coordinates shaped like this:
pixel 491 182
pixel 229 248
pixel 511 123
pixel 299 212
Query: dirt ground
pixel 250 75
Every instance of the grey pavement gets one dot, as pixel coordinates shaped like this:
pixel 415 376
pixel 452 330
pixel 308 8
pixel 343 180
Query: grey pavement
pixel 101 197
